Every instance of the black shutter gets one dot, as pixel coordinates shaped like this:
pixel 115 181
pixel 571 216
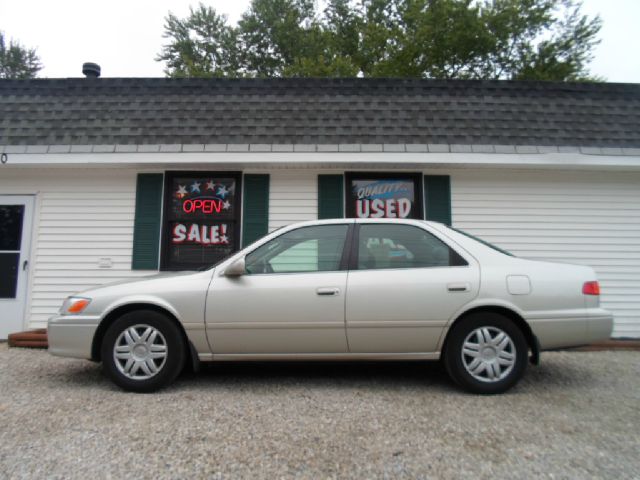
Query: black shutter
pixel 437 198
pixel 146 229
pixel 255 214
pixel 330 196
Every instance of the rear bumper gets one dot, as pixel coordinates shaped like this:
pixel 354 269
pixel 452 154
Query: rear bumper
pixel 599 325
pixel 71 336
pixel 571 328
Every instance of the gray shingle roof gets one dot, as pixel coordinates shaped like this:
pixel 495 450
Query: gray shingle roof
pixel 142 111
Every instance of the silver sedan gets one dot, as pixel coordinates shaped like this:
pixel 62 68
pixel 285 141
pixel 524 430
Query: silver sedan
pixel 340 290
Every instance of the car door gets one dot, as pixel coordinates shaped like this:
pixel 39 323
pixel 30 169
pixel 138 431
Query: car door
pixel 290 300
pixel 404 285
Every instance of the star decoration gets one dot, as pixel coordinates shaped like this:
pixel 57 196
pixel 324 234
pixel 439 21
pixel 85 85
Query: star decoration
pixel 226 205
pixel 224 239
pixel 195 187
pixel 222 191
pixel 182 191
pixel 211 185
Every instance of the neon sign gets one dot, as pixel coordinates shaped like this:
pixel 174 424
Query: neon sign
pixel 200 234
pixel 202 205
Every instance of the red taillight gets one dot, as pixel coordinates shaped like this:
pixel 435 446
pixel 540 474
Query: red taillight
pixel 591 288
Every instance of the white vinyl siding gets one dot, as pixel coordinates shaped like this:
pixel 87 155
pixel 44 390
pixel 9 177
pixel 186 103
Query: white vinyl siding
pixel 293 197
pixel 82 217
pixel 589 218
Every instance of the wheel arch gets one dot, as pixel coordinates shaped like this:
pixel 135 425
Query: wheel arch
pixel 117 312
pixel 515 317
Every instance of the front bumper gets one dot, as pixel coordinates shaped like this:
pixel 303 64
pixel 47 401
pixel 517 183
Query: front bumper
pixel 71 336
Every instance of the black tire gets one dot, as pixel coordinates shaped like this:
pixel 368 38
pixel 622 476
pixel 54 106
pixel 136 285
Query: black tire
pixel 456 362
pixel 168 368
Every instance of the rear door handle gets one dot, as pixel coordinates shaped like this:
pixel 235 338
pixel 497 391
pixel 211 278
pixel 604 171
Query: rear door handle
pixel 458 287
pixel 328 291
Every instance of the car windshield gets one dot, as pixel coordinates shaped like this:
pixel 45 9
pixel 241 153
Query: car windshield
pixel 484 242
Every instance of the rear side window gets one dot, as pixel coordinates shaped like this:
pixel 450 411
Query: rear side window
pixel 383 246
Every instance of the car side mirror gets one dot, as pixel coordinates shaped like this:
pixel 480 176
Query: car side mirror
pixel 236 269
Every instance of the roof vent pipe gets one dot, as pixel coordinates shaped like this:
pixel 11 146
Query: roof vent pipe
pixel 91 70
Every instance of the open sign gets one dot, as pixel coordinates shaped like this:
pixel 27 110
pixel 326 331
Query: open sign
pixel 202 205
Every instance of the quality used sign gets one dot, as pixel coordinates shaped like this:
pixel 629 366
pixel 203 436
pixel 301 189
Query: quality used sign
pixel 383 198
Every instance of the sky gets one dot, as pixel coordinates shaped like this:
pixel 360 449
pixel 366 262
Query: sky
pixel 124 36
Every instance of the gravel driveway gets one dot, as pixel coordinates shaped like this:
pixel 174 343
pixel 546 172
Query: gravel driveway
pixel 575 416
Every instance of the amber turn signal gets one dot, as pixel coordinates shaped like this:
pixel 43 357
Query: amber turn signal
pixel 76 305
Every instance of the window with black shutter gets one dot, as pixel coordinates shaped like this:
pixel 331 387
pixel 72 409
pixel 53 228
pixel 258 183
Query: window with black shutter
pixel 201 218
pixel 383 195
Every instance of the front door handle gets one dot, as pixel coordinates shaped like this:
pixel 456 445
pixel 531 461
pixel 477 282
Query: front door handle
pixel 25 264
pixel 328 291
pixel 458 287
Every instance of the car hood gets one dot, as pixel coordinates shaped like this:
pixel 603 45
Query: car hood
pixel 138 280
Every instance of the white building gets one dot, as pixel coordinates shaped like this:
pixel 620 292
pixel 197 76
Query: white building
pixel 105 179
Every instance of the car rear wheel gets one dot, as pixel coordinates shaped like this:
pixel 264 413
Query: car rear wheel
pixel 486 353
pixel 143 351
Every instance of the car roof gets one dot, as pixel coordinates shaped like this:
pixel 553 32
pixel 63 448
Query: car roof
pixel 406 221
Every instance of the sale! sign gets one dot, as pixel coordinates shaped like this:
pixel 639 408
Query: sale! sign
pixel 200 234
pixel 383 198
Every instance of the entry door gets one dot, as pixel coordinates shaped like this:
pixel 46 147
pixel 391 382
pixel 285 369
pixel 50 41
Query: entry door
pixel 15 241
pixel 290 301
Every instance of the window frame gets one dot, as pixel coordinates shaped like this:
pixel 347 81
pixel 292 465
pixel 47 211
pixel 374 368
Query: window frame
pixel 355 248
pixel 343 265
pixel 165 233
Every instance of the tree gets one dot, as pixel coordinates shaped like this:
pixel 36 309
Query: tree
pixel 473 39
pixel 17 61
pixel 202 45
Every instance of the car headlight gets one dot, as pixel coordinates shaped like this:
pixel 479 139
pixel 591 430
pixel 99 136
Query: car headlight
pixel 74 305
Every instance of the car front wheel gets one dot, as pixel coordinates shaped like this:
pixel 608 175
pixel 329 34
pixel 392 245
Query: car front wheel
pixel 143 351
pixel 486 353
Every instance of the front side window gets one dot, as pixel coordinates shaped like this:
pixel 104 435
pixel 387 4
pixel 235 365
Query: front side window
pixel 307 249
pixel 402 246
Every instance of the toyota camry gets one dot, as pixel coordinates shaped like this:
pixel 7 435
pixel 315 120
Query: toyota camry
pixel 346 289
